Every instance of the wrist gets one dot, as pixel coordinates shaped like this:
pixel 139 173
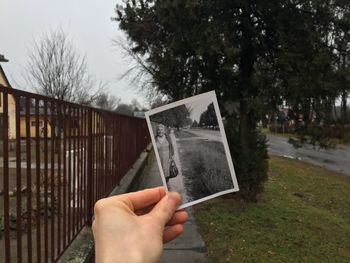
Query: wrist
pixel 128 255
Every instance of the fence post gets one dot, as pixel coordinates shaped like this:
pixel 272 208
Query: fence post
pixel 89 169
pixel 5 138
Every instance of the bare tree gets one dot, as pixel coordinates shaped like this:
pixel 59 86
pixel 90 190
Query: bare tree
pixel 158 101
pixel 57 70
pixel 139 73
pixel 107 101
pixel 136 105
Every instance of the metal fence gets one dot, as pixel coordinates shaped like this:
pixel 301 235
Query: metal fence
pixel 57 159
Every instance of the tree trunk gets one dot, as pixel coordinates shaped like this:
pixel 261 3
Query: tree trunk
pixel 306 105
pixel 247 60
pixel 335 111
pixel 250 187
pixel 344 113
pixel 244 126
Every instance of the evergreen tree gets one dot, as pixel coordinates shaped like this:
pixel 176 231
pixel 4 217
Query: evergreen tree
pixel 254 53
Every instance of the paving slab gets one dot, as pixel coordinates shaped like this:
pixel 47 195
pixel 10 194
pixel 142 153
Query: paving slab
pixel 189 247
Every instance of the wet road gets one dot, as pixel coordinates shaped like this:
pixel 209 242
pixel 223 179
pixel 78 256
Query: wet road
pixel 332 159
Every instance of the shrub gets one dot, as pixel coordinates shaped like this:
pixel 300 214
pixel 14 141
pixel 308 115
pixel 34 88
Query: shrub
pixel 324 135
pixel 251 168
pixel 280 129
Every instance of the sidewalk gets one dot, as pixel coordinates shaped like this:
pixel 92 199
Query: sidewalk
pixel 189 247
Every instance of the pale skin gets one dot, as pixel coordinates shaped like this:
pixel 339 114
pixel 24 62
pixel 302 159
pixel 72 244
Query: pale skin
pixel 160 131
pixel 133 227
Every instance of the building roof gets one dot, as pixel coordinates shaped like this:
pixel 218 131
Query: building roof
pixel 2 73
pixel 3 59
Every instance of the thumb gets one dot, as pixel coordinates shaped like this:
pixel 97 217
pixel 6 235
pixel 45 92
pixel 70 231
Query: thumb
pixel 164 210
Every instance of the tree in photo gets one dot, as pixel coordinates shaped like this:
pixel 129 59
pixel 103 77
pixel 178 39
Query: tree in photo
pixel 208 117
pixel 176 117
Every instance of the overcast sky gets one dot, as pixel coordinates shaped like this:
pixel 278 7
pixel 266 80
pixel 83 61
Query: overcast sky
pixel 87 23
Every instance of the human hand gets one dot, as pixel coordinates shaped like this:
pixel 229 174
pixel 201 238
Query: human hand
pixel 132 227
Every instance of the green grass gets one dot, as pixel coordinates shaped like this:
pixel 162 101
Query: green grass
pixel 302 216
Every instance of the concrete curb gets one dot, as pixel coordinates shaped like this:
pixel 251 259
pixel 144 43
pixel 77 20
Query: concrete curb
pixel 82 248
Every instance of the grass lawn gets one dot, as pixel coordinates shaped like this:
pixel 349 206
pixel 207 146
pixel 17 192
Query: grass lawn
pixel 302 216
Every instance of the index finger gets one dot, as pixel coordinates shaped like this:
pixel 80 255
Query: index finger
pixel 141 199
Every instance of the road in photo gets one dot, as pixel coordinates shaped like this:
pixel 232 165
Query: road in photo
pixel 333 159
pixel 213 135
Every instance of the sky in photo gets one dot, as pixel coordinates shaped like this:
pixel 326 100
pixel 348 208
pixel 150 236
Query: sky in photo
pixel 87 23
pixel 198 107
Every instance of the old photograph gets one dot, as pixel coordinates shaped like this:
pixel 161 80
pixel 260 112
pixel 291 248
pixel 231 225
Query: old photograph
pixel 191 148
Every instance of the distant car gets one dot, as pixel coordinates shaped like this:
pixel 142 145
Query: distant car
pixel 139 114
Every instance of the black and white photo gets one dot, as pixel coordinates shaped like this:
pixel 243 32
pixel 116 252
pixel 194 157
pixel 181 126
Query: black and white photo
pixel 191 149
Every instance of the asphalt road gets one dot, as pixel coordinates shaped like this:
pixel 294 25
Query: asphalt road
pixel 332 159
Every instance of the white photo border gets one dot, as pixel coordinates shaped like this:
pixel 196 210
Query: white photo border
pixel 211 95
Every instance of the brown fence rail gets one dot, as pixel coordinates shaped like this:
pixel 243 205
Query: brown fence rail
pixel 57 159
